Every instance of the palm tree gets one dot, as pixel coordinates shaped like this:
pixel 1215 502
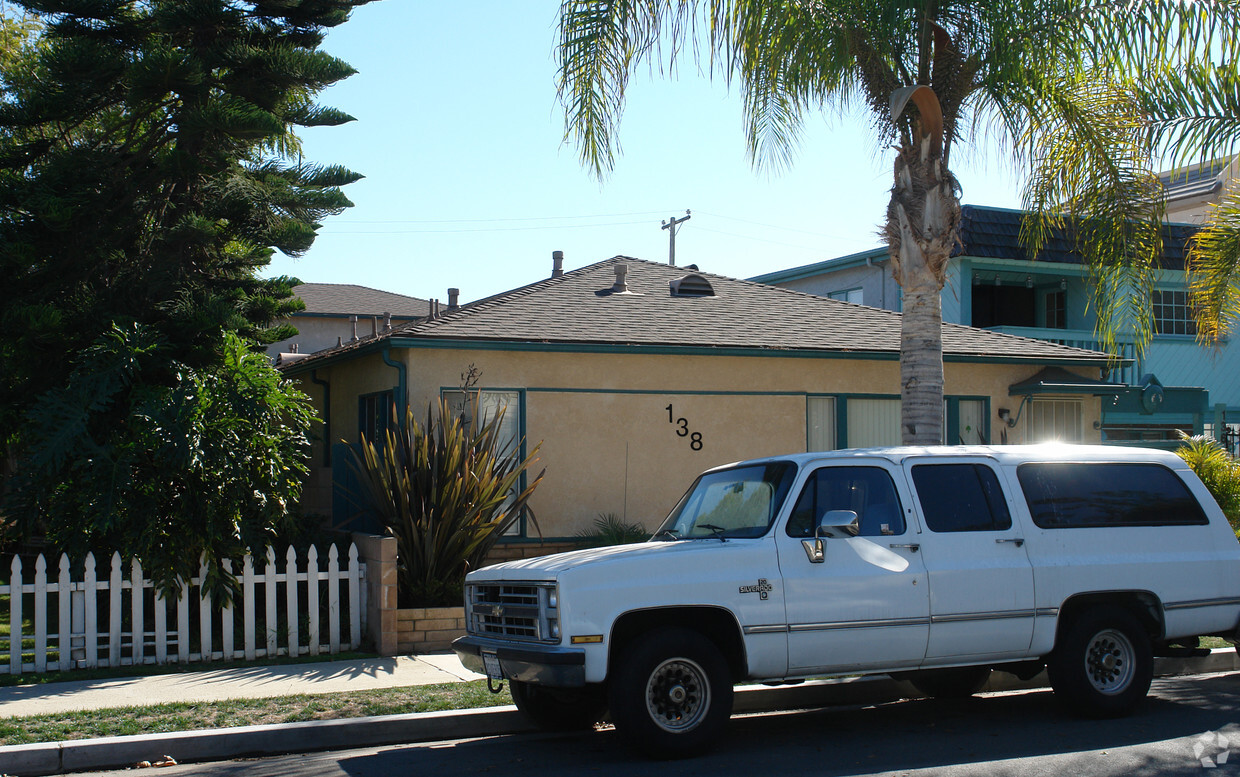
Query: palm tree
pixel 1193 115
pixel 1046 77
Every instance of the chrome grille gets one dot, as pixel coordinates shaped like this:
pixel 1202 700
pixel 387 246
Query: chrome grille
pixel 518 611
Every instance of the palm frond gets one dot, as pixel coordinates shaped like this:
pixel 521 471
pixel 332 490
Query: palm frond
pixel 1214 269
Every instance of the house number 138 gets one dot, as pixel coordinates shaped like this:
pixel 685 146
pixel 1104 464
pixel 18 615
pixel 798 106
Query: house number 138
pixel 682 430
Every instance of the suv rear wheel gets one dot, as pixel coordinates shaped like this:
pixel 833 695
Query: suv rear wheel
pixel 1102 664
pixel 671 693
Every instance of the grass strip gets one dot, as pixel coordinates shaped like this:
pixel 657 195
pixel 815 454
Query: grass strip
pixel 186 716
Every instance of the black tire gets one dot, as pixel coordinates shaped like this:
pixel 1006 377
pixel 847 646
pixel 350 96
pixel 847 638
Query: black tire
pixel 671 693
pixel 559 709
pixel 1102 663
pixel 957 682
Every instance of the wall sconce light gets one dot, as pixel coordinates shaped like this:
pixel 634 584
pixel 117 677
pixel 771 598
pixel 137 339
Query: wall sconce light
pixel 1028 281
pixel 1063 284
pixel 997 281
pixel 977 279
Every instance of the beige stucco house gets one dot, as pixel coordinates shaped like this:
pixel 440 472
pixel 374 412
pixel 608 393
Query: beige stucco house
pixel 636 376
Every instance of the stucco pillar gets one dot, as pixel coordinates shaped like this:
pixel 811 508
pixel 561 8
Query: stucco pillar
pixel 379 554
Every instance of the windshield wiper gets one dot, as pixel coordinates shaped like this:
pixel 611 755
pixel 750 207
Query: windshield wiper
pixel 715 531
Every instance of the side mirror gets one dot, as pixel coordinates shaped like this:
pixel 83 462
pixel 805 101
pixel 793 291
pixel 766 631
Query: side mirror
pixel 835 523
pixel 838 523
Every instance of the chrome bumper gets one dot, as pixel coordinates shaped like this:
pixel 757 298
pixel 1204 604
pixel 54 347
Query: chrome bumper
pixel 541 664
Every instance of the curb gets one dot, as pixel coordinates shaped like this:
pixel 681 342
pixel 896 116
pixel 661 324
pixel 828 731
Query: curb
pixel 248 741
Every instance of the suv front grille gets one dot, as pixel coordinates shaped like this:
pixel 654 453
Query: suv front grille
pixel 519 611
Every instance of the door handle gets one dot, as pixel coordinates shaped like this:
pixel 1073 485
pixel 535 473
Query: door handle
pixel 913 547
pixel 1018 540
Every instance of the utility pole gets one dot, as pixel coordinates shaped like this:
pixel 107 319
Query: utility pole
pixel 672 226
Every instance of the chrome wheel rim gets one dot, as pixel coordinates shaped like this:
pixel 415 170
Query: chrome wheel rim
pixel 1110 662
pixel 677 695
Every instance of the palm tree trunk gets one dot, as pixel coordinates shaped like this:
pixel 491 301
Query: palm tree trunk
pixel 923 220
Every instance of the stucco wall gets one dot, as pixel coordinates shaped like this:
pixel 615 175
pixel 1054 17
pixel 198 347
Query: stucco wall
pixel 608 445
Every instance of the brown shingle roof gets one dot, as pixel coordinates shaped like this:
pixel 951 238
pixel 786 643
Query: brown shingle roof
pixel 345 299
pixel 579 307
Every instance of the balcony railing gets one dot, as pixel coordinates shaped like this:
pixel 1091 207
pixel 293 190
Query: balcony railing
pixel 1084 338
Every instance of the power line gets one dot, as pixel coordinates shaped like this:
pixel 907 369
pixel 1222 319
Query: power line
pixel 476 229
pixel 488 221
pixel 771 226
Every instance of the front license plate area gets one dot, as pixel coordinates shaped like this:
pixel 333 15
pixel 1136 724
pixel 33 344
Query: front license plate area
pixel 490 662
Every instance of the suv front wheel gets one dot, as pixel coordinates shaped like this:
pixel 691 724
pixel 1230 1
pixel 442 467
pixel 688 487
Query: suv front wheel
pixel 1102 664
pixel 671 693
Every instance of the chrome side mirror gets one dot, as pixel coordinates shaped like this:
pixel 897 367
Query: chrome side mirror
pixel 835 523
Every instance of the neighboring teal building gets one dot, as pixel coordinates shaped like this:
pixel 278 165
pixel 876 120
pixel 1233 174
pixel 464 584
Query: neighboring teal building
pixel 993 284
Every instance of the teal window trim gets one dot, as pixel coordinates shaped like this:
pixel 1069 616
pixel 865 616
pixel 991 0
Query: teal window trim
pixel 522 439
pixel 383 408
pixel 951 420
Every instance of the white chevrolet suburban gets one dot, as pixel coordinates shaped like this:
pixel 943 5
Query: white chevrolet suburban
pixel 935 564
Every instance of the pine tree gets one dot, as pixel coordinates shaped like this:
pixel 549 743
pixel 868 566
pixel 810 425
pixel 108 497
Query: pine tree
pixel 149 168
pixel 147 174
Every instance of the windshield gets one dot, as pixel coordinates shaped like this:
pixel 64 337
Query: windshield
pixel 737 502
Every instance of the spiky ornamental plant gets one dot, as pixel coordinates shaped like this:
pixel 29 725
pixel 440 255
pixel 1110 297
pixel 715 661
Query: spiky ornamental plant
pixel 146 175
pixel 447 490
pixel 1048 78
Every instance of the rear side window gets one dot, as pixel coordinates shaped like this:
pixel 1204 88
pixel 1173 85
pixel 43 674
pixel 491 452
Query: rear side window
pixel 961 497
pixel 1068 496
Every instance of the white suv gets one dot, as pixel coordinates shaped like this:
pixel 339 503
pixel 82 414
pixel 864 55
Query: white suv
pixel 938 564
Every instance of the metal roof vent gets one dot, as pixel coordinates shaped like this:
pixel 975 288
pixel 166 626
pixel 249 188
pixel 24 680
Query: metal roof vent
pixel 691 285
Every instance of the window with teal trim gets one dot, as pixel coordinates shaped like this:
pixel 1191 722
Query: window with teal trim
pixel 1172 313
pixel 490 405
pixel 374 415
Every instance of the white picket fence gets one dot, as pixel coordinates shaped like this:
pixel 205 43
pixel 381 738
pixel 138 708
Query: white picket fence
pixel 68 635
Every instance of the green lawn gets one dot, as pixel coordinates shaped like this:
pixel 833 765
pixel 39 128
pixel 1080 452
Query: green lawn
pixel 246 712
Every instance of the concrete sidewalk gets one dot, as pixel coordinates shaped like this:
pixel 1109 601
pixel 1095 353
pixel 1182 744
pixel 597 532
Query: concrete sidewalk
pixel 258 682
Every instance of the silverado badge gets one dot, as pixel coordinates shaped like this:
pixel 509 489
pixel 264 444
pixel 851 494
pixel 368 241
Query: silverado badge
pixel 761 589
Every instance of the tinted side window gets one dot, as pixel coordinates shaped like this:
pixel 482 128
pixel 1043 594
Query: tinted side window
pixel 867 491
pixel 1081 495
pixel 961 497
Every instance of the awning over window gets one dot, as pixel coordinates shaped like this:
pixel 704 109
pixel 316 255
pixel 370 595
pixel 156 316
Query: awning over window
pixel 1057 380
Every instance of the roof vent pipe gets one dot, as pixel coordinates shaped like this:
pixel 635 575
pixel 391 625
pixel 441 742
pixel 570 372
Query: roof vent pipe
pixel 453 296
pixel 557 264
pixel 374 326
pixel 353 320
pixel 387 322
pixel 621 285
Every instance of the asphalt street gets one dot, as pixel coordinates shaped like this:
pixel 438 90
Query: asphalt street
pixel 1185 720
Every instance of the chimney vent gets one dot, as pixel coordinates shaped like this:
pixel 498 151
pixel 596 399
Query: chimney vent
pixel 557 264
pixel 454 296
pixel 621 285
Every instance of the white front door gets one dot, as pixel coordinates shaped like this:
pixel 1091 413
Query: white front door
pixel 981 580
pixel 867 603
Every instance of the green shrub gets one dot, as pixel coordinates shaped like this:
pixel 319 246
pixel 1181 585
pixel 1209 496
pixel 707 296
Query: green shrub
pixel 446 490
pixel 1218 471
pixel 611 529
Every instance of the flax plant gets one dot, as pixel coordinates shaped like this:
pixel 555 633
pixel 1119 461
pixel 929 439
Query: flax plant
pixel 447 490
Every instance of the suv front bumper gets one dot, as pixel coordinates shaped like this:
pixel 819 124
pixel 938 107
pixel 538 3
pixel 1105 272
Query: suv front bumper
pixel 540 664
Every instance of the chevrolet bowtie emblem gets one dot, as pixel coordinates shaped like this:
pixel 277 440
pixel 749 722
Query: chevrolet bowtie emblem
pixel 497 610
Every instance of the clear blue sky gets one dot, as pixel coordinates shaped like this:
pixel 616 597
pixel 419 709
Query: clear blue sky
pixel 468 183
